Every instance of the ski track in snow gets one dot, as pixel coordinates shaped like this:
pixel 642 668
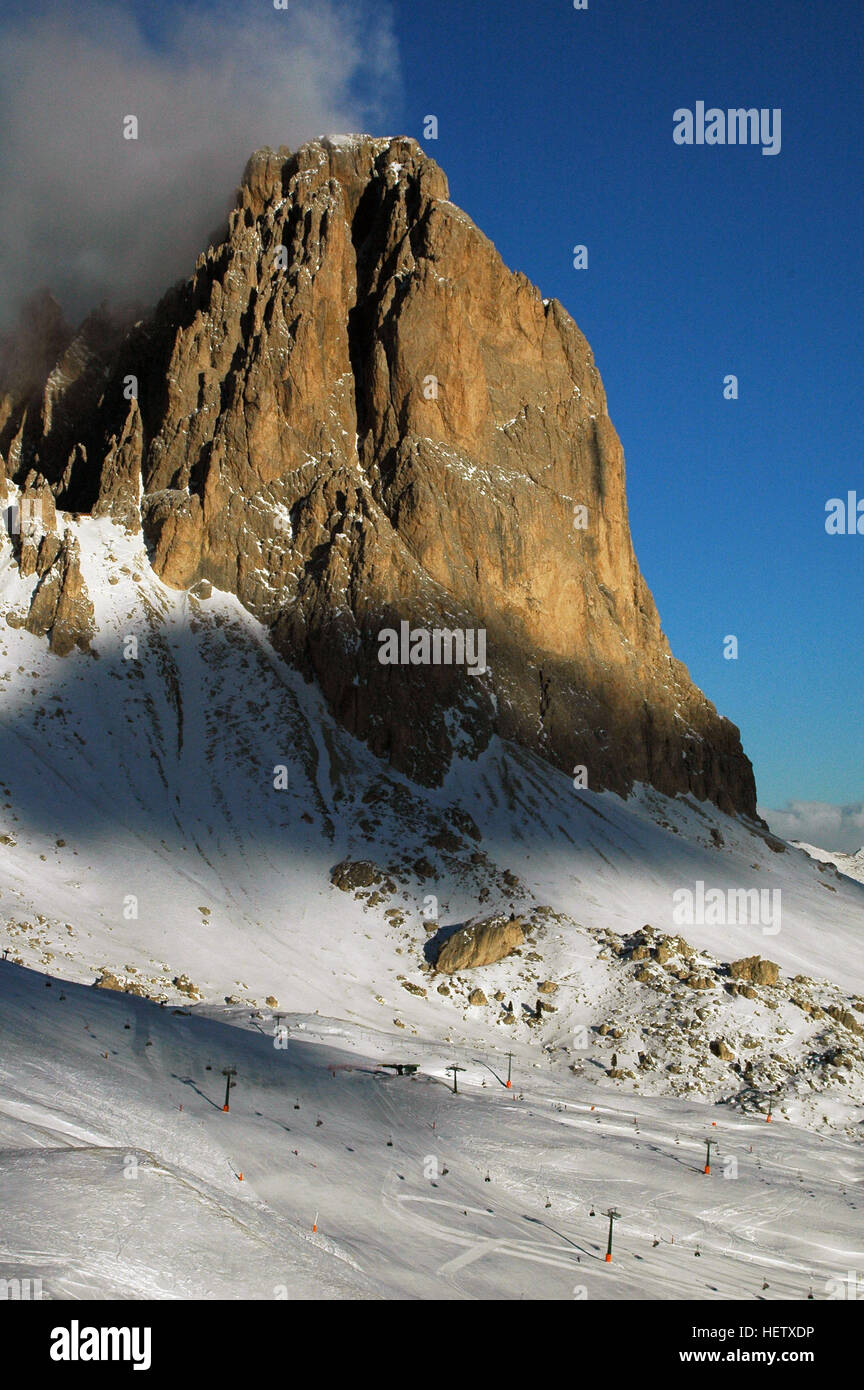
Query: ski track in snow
pixel 158 775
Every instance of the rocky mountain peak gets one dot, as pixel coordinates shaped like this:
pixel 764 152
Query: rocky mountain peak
pixel 358 420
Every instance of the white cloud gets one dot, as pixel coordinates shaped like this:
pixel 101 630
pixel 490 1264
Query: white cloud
pixel 819 823
pixel 94 216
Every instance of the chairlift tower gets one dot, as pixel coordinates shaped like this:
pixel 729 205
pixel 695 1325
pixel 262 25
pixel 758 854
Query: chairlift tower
pixel 613 1216
pixel 455 1068
pixel 228 1073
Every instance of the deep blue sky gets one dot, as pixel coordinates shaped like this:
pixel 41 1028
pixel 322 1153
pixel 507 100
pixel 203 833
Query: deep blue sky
pixel 556 129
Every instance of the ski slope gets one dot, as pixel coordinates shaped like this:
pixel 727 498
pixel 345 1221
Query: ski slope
pixel 121 1172
pixel 170 821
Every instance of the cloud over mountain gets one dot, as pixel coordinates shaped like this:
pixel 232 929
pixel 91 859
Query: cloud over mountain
pixel 819 823
pixel 94 215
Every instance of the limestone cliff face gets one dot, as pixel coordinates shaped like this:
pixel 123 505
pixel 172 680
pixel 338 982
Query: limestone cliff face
pixel 353 413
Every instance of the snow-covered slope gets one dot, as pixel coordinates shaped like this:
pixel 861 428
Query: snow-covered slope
pixel 852 865
pixel 122 1174
pixel 173 807
pixel 157 773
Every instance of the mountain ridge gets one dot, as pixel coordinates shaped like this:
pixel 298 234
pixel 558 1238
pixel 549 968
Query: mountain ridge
pixel 352 415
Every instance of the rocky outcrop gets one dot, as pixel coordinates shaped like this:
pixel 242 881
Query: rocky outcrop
pixel 107 980
pixel 27 357
pixel 120 478
pixel 353 415
pixel 353 874
pixel 60 608
pixel 37 523
pixel 755 970
pixel 480 943
pixel 56 417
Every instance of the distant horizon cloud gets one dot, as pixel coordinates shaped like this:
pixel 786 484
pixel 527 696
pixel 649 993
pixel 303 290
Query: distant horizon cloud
pixel 94 216
pixel 819 823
